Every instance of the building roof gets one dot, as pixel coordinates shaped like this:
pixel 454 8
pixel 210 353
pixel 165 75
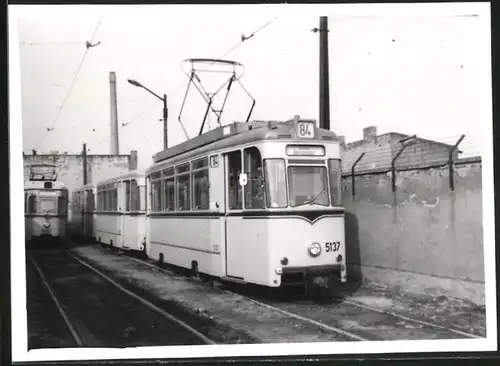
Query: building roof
pixel 399 136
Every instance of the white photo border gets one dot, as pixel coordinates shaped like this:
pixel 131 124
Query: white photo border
pixel 18 271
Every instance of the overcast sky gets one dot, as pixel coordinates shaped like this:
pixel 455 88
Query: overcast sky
pixel 428 74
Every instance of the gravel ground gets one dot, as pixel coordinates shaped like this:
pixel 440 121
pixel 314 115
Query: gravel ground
pixel 449 312
pixel 246 322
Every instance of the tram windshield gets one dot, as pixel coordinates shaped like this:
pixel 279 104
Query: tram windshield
pixel 48 205
pixel 308 185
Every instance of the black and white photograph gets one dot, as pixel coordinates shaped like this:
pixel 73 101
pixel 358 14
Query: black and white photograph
pixel 250 180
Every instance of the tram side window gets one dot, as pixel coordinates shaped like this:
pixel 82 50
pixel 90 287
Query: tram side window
pixel 170 194
pixel 183 176
pixel 128 195
pixel 114 195
pixel 254 190
pixel 156 195
pixel 275 183
pixel 201 185
pixel 143 196
pixel 92 201
pixel 168 189
pixel 62 202
pixel 107 197
pixel 132 195
pixel 99 200
pixel 234 188
pixel 335 172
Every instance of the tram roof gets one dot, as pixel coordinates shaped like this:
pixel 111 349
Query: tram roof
pixel 239 133
pixel 128 175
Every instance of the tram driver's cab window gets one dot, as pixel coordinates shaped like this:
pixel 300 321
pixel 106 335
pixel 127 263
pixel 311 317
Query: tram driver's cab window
pixel 254 189
pixel 275 183
pixel 234 187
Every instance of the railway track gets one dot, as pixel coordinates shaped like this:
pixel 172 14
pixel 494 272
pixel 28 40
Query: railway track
pixel 348 318
pixel 97 311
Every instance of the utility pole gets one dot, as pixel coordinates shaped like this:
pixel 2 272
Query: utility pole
pixel 84 157
pixel 324 82
pixel 165 124
pixel 114 147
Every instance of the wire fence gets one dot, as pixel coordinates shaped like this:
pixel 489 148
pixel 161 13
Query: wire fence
pixel 391 156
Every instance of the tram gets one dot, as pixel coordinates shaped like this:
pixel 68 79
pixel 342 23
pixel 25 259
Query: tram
pixel 46 207
pixel 119 215
pixel 254 202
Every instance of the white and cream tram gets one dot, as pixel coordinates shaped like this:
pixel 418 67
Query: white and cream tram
pixel 120 212
pixel 256 202
pixel 46 207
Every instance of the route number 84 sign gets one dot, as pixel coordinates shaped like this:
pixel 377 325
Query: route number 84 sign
pixel 305 130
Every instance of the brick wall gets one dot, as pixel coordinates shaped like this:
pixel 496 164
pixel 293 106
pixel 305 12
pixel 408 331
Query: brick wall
pixel 380 150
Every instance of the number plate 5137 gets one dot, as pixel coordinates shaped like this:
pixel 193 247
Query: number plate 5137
pixel 332 246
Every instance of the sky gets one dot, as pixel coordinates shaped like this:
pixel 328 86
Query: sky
pixel 426 73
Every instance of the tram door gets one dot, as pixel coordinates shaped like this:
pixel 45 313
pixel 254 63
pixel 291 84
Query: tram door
pixel 235 246
pixel 245 243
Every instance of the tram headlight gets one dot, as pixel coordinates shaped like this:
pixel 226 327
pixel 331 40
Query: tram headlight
pixel 339 258
pixel 314 249
pixel 46 225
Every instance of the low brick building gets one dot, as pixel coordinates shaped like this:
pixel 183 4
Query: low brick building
pixel 381 149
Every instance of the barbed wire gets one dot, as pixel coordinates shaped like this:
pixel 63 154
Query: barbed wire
pixel 381 157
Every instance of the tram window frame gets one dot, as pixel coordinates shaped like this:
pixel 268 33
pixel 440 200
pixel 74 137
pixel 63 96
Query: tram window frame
pixel 169 190
pixel 132 197
pixel 128 195
pixel 32 203
pixel 61 204
pixel 248 190
pixel 269 197
pixel 335 200
pixel 99 200
pixel 90 200
pixel 235 192
pixel 200 180
pixel 156 202
pixel 292 171
pixel 105 199
pixel 141 198
pixel 114 199
pixel 183 171
pixel 145 200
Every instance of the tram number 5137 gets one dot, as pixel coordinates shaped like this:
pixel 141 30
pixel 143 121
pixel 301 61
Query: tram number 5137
pixel 332 246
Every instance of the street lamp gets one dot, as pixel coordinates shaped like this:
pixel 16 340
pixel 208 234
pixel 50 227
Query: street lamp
pixel 165 109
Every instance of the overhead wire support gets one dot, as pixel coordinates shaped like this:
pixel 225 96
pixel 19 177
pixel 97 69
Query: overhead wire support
pixel 88 45
pixel 237 70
